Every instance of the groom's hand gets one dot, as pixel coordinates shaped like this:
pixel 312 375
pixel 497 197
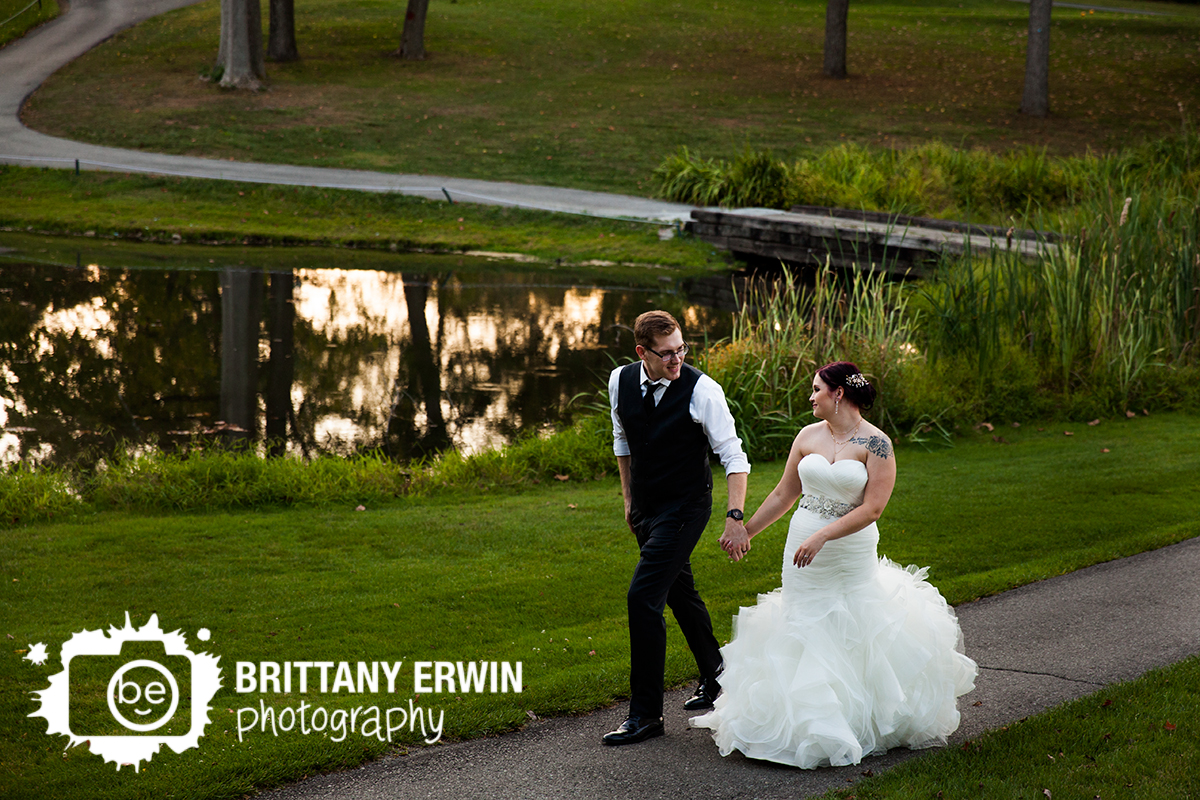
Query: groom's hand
pixel 735 541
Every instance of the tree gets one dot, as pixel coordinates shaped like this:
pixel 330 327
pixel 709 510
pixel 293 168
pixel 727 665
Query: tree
pixel 240 57
pixel 281 44
pixel 1036 99
pixel 412 40
pixel 836 14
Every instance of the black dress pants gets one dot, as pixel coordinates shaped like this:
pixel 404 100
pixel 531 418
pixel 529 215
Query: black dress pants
pixel 663 577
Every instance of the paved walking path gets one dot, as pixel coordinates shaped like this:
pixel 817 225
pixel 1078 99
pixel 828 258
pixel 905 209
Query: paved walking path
pixel 25 64
pixel 1037 646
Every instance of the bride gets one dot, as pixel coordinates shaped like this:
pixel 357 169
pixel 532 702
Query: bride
pixel 854 654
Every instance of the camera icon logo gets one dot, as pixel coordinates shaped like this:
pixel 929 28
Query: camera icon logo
pixel 130 692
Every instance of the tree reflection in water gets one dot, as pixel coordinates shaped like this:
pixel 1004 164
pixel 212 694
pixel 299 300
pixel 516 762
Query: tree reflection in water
pixel 306 361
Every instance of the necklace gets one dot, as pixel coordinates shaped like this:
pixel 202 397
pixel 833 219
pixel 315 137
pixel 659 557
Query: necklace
pixel 837 446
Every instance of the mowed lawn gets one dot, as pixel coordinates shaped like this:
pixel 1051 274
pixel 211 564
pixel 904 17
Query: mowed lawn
pixel 594 94
pixel 537 577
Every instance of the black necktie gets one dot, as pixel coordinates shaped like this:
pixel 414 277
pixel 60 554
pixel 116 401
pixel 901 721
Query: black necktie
pixel 648 399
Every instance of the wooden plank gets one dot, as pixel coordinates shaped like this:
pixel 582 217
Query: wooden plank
pixel 867 237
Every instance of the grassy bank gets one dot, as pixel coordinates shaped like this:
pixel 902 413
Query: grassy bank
pixel 1022 187
pixel 21 16
pixel 141 208
pixel 1137 739
pixel 419 578
pixel 594 95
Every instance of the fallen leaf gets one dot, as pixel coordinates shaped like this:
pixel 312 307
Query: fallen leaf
pixel 1169 726
pixel 1094 422
pixel 999 439
pixel 1016 424
pixel 1041 429
pixel 1130 414
pixel 562 477
pixel 531 715
pixel 987 425
pixel 591 652
pixel 1046 792
pixel 1106 704
pixel 572 505
pixel 1145 412
pixel 1104 450
pixel 977 703
pixel 361 508
pixel 1068 433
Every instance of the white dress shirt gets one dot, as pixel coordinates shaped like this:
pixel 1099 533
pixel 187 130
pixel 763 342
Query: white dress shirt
pixel 707 408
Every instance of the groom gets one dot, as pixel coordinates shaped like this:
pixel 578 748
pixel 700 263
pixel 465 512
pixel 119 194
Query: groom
pixel 666 415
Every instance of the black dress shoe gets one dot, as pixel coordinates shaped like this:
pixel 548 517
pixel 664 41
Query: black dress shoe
pixel 705 696
pixel 634 730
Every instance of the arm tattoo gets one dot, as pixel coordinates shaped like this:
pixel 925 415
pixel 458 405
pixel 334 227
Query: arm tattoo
pixel 875 444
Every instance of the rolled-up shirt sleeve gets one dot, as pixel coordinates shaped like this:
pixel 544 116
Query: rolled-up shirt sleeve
pixel 710 409
pixel 620 443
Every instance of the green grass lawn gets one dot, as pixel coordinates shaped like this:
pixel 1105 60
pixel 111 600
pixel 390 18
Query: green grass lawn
pixel 106 206
pixel 19 18
pixel 595 94
pixel 487 574
pixel 1134 740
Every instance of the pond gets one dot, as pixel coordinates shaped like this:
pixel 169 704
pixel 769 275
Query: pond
pixel 307 351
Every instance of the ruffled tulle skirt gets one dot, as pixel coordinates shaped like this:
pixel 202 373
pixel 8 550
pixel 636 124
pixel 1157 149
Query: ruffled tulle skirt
pixel 853 655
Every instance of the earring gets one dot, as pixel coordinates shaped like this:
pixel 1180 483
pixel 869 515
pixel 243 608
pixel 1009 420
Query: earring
pixel 836 402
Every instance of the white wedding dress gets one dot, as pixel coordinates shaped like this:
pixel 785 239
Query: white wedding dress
pixel 852 656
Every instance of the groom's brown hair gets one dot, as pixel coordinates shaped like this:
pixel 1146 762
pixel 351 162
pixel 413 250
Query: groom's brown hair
pixel 651 325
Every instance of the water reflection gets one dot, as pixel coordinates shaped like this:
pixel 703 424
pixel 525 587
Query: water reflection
pixel 443 353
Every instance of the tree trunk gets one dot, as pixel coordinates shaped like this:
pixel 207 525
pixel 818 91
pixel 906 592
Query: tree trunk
pixel 1036 100
pixel 240 56
pixel 412 40
pixel 281 44
pixel 836 15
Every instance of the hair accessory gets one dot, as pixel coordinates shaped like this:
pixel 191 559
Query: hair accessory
pixel 857 381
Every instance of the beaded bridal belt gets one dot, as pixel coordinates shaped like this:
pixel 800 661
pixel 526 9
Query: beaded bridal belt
pixel 824 507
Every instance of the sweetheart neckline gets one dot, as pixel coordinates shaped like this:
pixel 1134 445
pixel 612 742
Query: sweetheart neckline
pixel 831 463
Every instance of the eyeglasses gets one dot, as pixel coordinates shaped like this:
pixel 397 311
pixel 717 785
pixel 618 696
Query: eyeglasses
pixel 677 355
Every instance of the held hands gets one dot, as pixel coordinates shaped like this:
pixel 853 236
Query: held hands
pixel 735 541
pixel 808 550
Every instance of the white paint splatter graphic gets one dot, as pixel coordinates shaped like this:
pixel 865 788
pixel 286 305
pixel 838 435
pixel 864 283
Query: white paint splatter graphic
pixel 205 680
pixel 37 654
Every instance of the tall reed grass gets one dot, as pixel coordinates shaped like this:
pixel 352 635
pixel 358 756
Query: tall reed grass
pixel 789 329
pixel 1118 300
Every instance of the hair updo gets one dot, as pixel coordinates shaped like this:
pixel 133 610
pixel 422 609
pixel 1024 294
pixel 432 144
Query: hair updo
pixel 858 390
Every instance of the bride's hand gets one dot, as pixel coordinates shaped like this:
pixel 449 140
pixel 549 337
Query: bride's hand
pixel 808 551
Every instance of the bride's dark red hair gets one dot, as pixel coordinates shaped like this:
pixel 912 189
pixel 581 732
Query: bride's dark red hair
pixel 838 373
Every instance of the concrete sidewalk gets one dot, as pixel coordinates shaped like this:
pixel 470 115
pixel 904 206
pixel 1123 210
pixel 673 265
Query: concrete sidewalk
pixel 25 64
pixel 1037 646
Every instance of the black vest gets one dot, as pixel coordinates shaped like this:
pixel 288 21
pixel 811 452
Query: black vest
pixel 668 450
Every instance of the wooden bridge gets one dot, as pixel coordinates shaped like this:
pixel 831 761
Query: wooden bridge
pixel 857 239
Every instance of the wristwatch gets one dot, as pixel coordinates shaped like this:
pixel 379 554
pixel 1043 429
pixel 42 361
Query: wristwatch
pixel 734 513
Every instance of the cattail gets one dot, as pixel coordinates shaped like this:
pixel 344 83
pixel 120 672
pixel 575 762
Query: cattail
pixel 1125 212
